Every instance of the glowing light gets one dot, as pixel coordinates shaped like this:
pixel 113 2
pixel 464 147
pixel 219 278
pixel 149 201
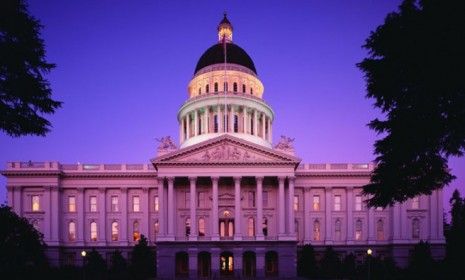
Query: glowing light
pixel 369 252
pixel 83 253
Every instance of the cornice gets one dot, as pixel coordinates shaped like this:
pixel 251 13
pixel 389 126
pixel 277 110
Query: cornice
pixel 61 174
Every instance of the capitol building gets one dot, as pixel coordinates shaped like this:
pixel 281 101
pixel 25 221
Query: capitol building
pixel 223 202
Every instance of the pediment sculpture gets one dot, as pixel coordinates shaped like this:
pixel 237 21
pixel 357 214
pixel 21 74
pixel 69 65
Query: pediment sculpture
pixel 166 145
pixel 285 144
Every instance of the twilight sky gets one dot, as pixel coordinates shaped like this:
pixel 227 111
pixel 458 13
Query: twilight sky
pixel 123 69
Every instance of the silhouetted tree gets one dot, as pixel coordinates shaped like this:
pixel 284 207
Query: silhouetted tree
pixel 95 266
pixel 306 265
pixel 349 267
pixel 25 95
pixel 118 268
pixel 455 235
pixel 143 264
pixel 21 247
pixel 421 264
pixel 414 72
pixel 330 264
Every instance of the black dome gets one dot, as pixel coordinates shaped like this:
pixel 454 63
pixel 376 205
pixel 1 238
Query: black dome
pixel 215 55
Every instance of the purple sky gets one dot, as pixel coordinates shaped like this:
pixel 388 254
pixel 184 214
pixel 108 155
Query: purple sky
pixel 123 69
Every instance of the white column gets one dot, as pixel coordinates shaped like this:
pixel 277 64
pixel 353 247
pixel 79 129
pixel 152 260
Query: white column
pixel 306 221
pixel 433 215
pixel 161 207
pixel 56 210
pixel 263 126
pixel 46 207
pixel 145 213
pixel 440 222
pixel 255 122
pixel 231 119
pixel 102 216
pixel 220 120
pixel 237 209
pixel 259 221
pixel 18 196
pixel 291 220
pixel 244 115
pixel 196 122
pixel 350 215
pixel 80 215
pixel 205 121
pixel 396 222
pixel 328 204
pixel 281 207
pixel 371 225
pixel 193 210
pixel 124 217
pixel 170 205
pixel 215 208
pixel 187 126
pixel 181 130
pixel 268 137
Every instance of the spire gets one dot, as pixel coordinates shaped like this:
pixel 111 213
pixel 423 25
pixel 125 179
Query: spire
pixel 225 30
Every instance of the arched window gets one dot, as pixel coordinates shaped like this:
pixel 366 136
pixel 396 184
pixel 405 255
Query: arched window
pixel 316 230
pixel 93 231
pixel 235 87
pixel 243 88
pixel 251 90
pixel 271 264
pixel 135 231
pixel 182 264
pixel 251 227
pixel 216 87
pixel 265 226
pixel 201 227
pixel 236 123
pixel 200 90
pixel 156 227
pixel 337 230
pixel 72 231
pixel 296 229
pixel 225 87
pixel 415 228
pixel 358 229
pixel 380 229
pixel 207 88
pixel 188 226
pixel 114 231
pixel 215 123
pixel 249 261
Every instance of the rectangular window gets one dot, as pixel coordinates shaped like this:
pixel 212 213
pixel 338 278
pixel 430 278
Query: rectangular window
pixel 156 203
pixel 135 203
pixel 337 203
pixel 114 204
pixel 93 204
pixel 316 203
pixel 201 200
pixel 35 201
pixel 71 203
pixel 265 199
pixel 358 203
pixel 416 203
pixel 251 199
pixel 296 203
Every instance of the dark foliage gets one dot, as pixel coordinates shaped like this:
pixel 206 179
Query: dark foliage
pixel 414 73
pixel 349 267
pixel 455 236
pixel 306 264
pixel 142 260
pixel 421 264
pixel 21 247
pixel 118 268
pixel 95 266
pixel 330 264
pixel 25 95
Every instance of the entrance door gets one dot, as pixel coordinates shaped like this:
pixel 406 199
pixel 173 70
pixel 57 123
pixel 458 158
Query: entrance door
pixel 204 264
pixel 226 264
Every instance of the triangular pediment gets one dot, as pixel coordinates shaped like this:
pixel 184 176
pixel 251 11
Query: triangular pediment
pixel 225 149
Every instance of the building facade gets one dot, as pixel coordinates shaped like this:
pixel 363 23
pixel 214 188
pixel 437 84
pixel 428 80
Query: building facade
pixel 226 202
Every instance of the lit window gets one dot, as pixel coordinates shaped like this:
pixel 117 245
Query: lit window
pixel 93 204
pixel 114 231
pixel 316 203
pixel 72 204
pixel 35 203
pixel 156 227
pixel 251 197
pixel 114 204
pixel 188 226
pixel 415 228
pixel 337 203
pixel 207 88
pixel 251 227
pixel 136 203
pixel 380 229
pixel 416 203
pixel 296 202
pixel 72 231
pixel 358 230
pixel 135 231
pixel 358 203
pixel 337 230
pixel 235 87
pixel 265 227
pixel 216 87
pixel 265 199
pixel 316 230
pixel 379 208
pixel 201 227
pixel 156 203
pixel 93 231
pixel 201 199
